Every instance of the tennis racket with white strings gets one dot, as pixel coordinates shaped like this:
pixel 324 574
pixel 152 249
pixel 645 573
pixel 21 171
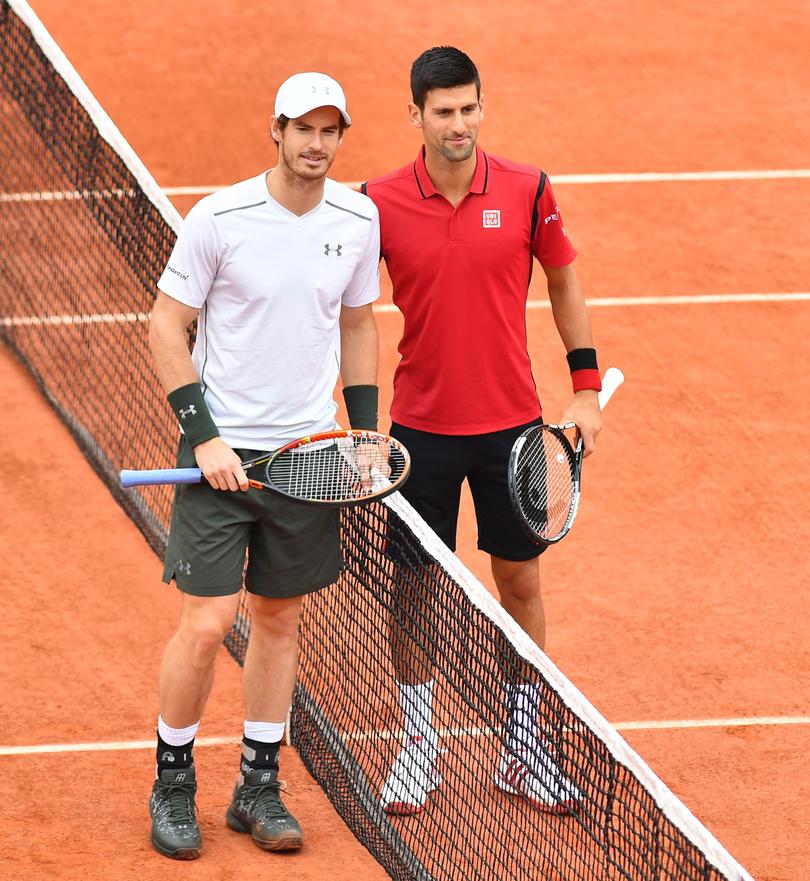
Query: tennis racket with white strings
pixel 545 471
pixel 334 469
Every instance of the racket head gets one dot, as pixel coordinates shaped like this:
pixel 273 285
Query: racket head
pixel 334 469
pixel 544 478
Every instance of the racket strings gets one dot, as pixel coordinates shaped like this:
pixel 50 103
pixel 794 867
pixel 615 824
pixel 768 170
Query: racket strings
pixel 341 470
pixel 546 483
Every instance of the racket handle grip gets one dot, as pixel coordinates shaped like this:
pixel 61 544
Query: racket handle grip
pixel 378 480
pixel 612 379
pixel 160 476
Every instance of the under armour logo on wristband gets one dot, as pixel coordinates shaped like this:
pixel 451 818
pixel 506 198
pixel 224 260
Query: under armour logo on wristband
pixel 327 250
pixel 191 410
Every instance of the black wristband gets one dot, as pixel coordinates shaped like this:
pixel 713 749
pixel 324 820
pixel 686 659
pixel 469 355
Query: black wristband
pixel 192 413
pixel 582 359
pixel 361 405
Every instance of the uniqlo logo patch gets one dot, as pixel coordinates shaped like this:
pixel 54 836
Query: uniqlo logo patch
pixel 492 219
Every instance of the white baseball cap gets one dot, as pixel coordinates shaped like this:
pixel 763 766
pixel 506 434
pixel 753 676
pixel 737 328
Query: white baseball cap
pixel 303 92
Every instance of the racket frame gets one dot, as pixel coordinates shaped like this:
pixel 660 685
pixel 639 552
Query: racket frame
pixel 574 455
pixel 611 381
pixel 381 486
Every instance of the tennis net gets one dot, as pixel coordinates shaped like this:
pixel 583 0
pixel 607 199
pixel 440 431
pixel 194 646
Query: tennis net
pixel 85 234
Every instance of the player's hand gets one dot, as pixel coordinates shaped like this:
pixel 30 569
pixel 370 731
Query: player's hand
pixel 585 412
pixel 220 466
pixel 372 462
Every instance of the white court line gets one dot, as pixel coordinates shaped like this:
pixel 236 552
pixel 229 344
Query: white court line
pixel 642 177
pixel 661 725
pixel 387 308
pixel 618 178
pixel 678 300
pixel 44 320
pixel 67 195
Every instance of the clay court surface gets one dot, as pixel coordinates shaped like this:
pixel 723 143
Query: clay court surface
pixel 682 593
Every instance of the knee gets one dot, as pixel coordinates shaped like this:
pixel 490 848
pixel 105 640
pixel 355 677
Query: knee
pixel 202 635
pixel 278 618
pixel 519 583
pixel 519 591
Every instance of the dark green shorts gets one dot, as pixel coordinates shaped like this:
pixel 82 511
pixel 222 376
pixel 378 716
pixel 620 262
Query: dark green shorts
pixel 292 549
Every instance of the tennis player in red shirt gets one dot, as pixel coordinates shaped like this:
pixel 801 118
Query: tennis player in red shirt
pixel 460 229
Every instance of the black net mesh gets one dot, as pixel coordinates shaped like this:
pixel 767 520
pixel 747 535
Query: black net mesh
pixel 82 249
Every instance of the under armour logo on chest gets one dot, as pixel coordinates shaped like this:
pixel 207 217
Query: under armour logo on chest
pixel 328 249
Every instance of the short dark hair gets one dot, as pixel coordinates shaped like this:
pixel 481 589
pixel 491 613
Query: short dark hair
pixel 442 67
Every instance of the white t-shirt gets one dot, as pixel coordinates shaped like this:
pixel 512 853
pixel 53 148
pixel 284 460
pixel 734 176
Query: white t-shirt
pixel 269 286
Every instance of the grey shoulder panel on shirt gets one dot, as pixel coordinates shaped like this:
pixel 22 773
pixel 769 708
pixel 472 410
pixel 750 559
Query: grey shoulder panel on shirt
pixel 347 210
pixel 240 208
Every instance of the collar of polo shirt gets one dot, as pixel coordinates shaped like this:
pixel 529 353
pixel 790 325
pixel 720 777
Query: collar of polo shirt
pixel 480 181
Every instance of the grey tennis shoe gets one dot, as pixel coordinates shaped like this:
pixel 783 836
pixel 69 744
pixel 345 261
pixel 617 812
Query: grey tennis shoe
pixel 175 832
pixel 257 808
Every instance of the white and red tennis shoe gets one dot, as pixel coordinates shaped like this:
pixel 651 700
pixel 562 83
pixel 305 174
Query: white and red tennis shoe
pixel 534 775
pixel 414 775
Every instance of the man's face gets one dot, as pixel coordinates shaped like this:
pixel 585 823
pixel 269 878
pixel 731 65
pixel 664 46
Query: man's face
pixel 308 144
pixel 450 121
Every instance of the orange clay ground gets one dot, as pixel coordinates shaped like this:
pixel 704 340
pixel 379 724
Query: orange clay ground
pixel 682 593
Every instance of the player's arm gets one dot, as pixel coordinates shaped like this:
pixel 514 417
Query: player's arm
pixel 574 326
pixel 168 341
pixel 358 369
pixel 359 347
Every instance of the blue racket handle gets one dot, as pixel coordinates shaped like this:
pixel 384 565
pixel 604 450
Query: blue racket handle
pixel 161 476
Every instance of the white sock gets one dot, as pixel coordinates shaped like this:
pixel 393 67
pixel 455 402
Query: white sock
pixel 264 732
pixel 417 711
pixel 176 736
pixel 523 702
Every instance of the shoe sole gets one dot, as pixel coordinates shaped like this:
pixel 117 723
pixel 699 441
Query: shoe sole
pixel 408 809
pixel 182 853
pixel 563 806
pixel 402 809
pixel 287 842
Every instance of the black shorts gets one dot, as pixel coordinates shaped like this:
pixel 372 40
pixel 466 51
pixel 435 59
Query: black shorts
pixel 439 465
pixel 292 549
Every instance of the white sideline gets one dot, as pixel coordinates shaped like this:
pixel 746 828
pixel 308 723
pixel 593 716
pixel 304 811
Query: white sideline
pixel 389 308
pixel 642 177
pixel 660 725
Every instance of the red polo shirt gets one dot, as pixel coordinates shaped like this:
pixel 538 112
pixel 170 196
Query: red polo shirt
pixel 461 279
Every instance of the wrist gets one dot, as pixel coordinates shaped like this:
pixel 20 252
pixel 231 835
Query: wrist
pixel 584 370
pixel 361 405
pixel 192 413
